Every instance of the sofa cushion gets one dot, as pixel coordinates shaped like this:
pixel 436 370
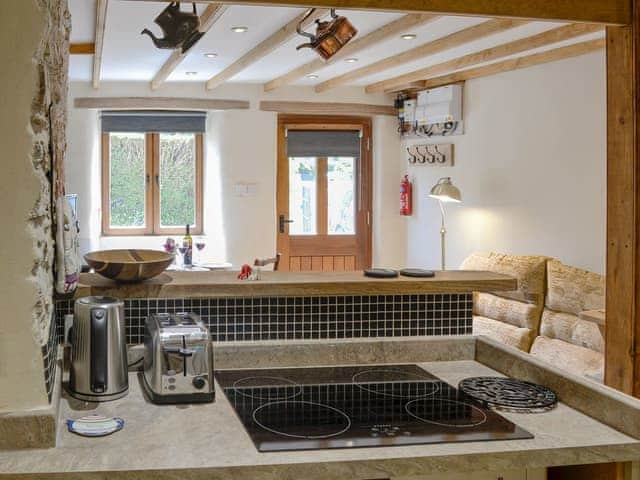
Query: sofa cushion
pixel 529 271
pixel 517 337
pixel 574 359
pixel 573 290
pixel 519 314
pixel 570 328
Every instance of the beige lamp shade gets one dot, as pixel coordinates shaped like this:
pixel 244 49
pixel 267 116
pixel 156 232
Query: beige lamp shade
pixel 445 191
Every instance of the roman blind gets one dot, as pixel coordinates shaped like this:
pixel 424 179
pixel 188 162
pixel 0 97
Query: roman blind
pixel 323 143
pixel 153 121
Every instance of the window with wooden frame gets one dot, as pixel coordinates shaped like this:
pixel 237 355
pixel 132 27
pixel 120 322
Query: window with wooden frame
pixel 151 181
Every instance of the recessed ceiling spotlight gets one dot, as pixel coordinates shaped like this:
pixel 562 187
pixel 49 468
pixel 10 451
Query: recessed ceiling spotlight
pixel 312 76
pixel 240 29
pixel 211 55
pixel 351 60
pixel 408 36
pixel 190 73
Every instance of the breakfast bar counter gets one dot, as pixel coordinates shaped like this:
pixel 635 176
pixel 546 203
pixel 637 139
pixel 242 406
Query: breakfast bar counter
pixel 186 284
pixel 591 424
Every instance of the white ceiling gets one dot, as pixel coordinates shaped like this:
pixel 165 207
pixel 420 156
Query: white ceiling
pixel 128 55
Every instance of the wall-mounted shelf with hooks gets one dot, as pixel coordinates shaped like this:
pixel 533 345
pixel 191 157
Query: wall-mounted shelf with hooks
pixel 440 155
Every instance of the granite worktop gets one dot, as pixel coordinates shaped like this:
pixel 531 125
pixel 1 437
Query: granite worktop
pixel 185 284
pixel 208 441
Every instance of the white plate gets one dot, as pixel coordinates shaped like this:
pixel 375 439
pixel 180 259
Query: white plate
pixel 95 425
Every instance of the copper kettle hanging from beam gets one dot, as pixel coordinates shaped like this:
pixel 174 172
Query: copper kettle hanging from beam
pixel 330 36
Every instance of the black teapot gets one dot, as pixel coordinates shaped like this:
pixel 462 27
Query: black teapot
pixel 180 28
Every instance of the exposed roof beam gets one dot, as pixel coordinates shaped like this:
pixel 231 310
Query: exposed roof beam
pixel 447 42
pixel 549 37
pixel 88 48
pixel 327 108
pixel 160 103
pixel 208 18
pixel 610 12
pixel 389 30
pixel 547 56
pixel 101 18
pixel 283 35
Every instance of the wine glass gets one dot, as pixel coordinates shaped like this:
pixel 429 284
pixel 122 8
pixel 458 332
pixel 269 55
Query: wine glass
pixel 182 250
pixel 200 244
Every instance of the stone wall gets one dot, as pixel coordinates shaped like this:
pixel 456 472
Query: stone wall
pixel 48 124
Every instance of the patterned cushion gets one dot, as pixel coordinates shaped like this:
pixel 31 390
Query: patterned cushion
pixel 517 337
pixel 570 328
pixel 577 360
pixel 573 290
pixel 529 270
pixel 519 314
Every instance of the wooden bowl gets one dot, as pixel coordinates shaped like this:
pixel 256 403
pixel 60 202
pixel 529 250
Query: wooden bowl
pixel 131 265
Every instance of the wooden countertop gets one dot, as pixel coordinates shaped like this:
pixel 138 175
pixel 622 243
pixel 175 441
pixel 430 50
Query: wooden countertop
pixel 225 284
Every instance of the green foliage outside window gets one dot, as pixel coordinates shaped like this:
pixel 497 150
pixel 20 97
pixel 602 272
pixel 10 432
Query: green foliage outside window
pixel 128 177
pixel 177 179
pixel 127 165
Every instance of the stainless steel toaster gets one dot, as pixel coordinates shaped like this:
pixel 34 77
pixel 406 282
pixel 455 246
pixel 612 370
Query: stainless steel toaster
pixel 178 359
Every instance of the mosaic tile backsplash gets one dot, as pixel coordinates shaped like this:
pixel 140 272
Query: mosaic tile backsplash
pixel 301 318
pixel 49 357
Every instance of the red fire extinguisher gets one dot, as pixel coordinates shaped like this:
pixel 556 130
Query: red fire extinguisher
pixel 405 196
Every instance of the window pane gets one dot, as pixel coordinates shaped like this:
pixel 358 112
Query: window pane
pixel 127 180
pixel 303 208
pixel 177 179
pixel 341 189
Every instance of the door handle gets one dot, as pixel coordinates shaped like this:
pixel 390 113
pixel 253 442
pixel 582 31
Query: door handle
pixel 281 223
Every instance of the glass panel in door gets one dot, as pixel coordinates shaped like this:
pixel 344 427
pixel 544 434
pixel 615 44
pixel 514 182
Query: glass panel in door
pixel 303 195
pixel 341 186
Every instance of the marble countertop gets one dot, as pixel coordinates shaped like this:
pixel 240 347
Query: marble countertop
pixel 225 284
pixel 208 441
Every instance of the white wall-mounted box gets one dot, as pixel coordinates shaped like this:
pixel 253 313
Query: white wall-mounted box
pixel 442 104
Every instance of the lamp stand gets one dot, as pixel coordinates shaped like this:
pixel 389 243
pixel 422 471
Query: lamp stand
pixel 443 233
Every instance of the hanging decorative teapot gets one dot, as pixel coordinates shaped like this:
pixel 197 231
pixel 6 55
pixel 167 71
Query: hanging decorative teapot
pixel 330 36
pixel 180 28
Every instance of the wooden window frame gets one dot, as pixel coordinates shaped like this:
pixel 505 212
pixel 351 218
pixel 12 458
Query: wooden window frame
pixel 152 193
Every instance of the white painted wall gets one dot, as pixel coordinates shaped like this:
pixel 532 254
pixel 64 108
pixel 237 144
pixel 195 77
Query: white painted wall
pixel 531 167
pixel 21 368
pixel 240 147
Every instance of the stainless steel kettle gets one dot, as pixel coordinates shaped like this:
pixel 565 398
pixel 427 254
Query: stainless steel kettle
pixel 98 350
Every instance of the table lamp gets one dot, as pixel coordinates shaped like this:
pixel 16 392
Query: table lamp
pixel 444 191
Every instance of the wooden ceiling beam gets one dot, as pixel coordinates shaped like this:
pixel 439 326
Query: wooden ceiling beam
pixel 547 56
pixel 549 37
pixel 284 34
pixel 88 48
pixel 389 30
pixel 208 18
pixel 159 103
pixel 101 18
pixel 326 108
pixel 609 12
pixel 447 42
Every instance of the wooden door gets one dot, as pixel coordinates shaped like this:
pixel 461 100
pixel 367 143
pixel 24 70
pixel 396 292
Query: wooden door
pixel 324 196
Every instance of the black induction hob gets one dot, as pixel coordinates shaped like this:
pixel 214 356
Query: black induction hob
pixel 364 406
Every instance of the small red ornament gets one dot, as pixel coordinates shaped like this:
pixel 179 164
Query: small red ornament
pixel 245 271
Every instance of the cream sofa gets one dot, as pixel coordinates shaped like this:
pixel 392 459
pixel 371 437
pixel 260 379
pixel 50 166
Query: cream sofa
pixel 510 317
pixel 541 317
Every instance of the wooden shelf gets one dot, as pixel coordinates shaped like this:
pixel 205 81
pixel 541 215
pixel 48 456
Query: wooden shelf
pixel 225 284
